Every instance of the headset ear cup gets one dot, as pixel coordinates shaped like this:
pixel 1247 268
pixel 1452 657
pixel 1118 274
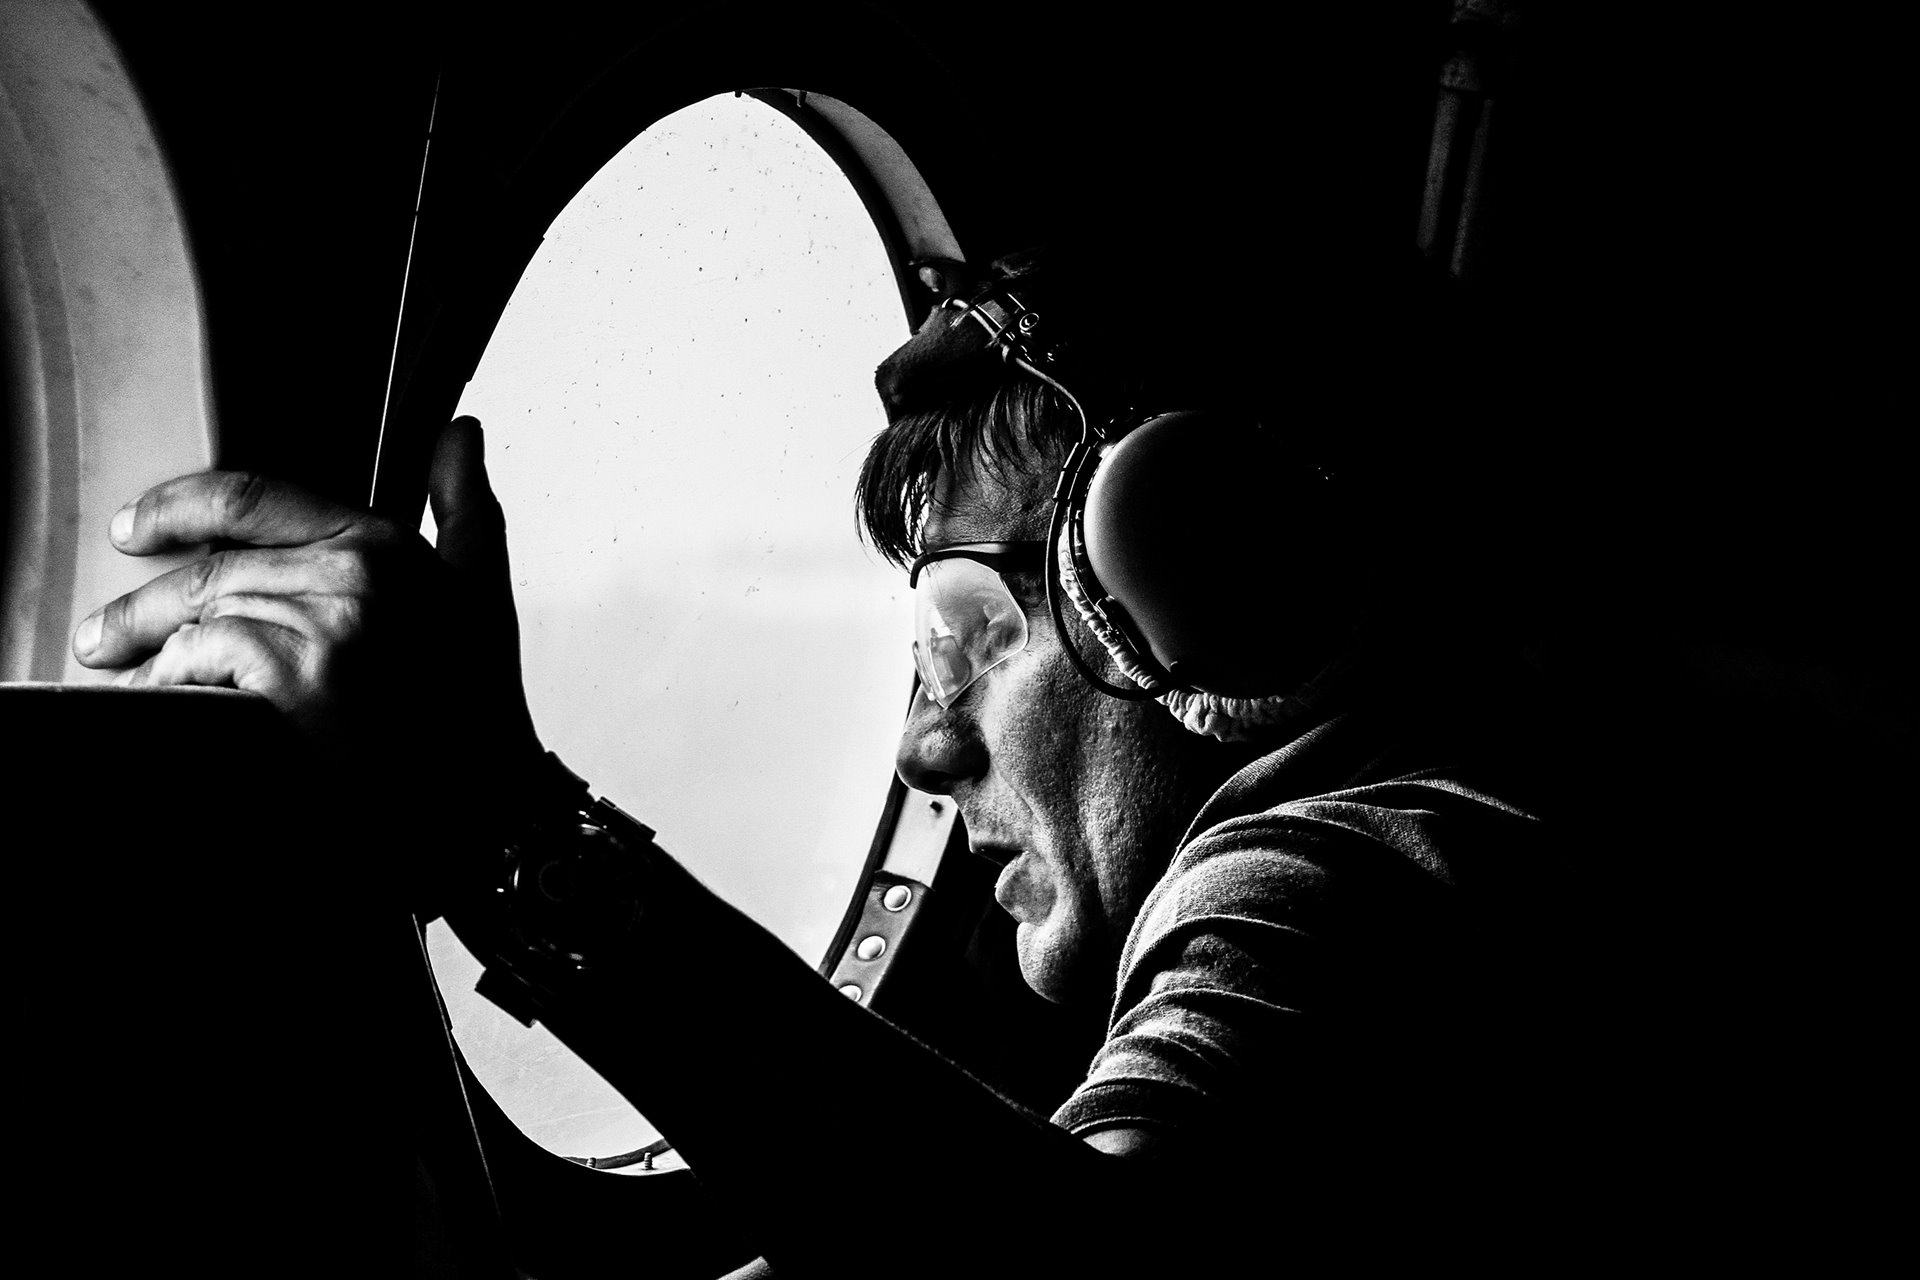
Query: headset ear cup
pixel 1228 553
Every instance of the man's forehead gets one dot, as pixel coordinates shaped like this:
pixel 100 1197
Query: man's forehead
pixel 974 503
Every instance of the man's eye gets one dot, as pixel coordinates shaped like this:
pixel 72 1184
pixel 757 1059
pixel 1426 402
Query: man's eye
pixel 1029 588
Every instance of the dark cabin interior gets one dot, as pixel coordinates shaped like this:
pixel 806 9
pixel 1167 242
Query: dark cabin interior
pixel 1667 410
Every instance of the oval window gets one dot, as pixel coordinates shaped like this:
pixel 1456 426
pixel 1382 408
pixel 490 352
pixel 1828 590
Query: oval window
pixel 676 402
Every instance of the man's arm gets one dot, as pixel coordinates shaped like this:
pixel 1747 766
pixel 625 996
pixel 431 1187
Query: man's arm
pixel 764 1076
pixel 793 1104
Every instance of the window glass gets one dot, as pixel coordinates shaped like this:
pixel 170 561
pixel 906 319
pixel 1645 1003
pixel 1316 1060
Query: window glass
pixel 676 403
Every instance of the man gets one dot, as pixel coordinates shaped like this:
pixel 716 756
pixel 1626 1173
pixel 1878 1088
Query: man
pixel 1298 903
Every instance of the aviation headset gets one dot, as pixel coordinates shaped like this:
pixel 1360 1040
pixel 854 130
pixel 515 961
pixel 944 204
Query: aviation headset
pixel 1213 556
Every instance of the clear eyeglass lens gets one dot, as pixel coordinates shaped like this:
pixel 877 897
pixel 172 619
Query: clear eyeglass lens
pixel 966 623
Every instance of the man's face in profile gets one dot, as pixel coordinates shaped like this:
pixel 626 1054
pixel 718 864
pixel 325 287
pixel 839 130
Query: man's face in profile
pixel 1081 797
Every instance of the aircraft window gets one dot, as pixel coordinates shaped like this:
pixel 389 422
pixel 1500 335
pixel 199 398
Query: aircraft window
pixel 104 382
pixel 676 402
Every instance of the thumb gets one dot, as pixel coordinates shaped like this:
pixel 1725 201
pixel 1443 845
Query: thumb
pixel 473 530
pixel 472 542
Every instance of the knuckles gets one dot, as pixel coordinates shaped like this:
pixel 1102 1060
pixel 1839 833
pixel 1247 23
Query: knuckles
pixel 204 577
pixel 116 624
pixel 186 637
pixel 302 623
pixel 236 496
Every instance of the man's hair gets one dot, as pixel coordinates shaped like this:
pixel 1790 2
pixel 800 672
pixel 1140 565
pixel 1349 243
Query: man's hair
pixel 1351 360
pixel 1017 429
pixel 952 401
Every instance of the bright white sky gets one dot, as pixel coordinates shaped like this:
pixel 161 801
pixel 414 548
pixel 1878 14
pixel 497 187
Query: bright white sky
pixel 676 404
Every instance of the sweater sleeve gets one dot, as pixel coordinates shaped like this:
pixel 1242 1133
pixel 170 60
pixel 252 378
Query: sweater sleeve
pixel 1286 961
pixel 769 1081
pixel 1221 959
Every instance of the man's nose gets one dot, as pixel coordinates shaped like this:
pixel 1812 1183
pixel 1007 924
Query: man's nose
pixel 939 749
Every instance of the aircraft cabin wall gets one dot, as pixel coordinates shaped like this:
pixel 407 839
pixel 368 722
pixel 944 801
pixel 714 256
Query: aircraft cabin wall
pixel 1665 414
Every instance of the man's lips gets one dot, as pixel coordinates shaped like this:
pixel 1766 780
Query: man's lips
pixel 1022 891
pixel 994 851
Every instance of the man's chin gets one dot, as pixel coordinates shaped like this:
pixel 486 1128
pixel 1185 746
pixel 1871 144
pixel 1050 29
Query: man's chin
pixel 1057 967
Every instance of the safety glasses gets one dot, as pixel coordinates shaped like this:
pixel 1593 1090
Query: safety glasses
pixel 965 620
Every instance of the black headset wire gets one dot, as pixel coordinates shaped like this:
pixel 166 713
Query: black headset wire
pixel 1066 491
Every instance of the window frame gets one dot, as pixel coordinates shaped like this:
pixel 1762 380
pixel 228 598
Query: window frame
pixel 914 831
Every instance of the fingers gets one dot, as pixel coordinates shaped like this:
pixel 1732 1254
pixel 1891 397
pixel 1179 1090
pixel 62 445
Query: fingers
pixel 240 506
pixel 133 626
pixel 243 653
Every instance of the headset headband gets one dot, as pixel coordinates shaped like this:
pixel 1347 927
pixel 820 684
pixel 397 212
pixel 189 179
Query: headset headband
pixel 1011 325
pixel 947 357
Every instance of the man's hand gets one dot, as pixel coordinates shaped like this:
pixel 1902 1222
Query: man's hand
pixel 386 651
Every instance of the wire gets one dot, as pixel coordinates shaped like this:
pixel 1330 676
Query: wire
pixel 406 279
pixel 1066 490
